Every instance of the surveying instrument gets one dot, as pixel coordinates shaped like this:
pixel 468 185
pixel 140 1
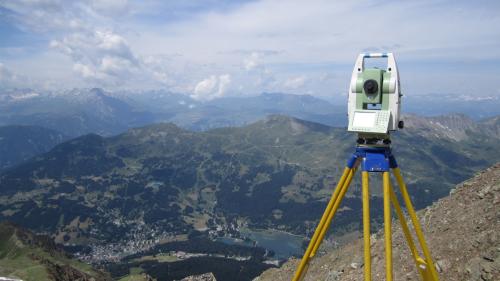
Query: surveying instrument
pixel 373 110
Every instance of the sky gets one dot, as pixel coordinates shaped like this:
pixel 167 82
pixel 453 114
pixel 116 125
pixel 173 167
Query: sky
pixel 215 48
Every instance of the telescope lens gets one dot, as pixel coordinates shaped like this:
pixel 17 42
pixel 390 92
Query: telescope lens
pixel 370 86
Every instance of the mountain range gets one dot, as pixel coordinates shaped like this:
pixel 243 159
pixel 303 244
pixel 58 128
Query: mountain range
pixel 476 107
pixel 78 112
pixel 73 113
pixel 275 173
pixel 82 111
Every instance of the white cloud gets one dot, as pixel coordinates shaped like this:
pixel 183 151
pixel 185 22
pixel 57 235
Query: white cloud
pixel 7 77
pixel 117 66
pixel 264 45
pixel 316 36
pixel 294 82
pixel 82 32
pixel 212 87
pixel 46 16
pixel 101 56
pixel 85 71
pixel 10 78
pixel 205 86
pixel 224 82
pixel 111 42
pixel 251 61
pixel 256 60
pixel 319 31
pixel 110 7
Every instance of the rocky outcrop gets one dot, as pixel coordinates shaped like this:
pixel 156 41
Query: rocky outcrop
pixel 67 273
pixel 462 230
pixel 40 252
pixel 454 126
pixel 203 277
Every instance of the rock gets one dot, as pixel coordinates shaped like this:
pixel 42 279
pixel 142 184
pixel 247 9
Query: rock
pixel 357 262
pixel 204 277
pixel 333 275
pixel 442 265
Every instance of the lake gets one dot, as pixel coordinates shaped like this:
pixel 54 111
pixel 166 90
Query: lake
pixel 283 244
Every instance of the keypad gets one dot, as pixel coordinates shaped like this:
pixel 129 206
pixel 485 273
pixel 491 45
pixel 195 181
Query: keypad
pixel 380 126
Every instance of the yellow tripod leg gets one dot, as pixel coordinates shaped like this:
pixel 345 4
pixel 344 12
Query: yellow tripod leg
pixel 366 225
pixel 387 227
pixel 430 271
pixel 406 231
pixel 336 206
pixel 301 270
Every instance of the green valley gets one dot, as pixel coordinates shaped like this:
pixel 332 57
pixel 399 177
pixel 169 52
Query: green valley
pixel 116 199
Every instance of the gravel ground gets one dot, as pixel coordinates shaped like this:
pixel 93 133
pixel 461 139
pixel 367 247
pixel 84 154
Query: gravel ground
pixel 463 232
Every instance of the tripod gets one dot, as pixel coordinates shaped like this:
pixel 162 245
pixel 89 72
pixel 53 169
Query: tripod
pixel 374 159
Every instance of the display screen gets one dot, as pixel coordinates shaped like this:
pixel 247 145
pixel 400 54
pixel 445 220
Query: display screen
pixel 364 119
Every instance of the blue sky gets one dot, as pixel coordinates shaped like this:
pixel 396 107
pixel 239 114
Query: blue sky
pixel 215 48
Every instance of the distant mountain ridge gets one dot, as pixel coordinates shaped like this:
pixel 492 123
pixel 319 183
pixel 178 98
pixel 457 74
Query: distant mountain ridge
pixel 493 124
pixel 74 113
pixel 20 143
pixel 81 111
pixel 453 126
pixel 78 112
pixel 476 107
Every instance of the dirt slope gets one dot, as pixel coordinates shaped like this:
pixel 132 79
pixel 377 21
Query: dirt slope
pixel 463 232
